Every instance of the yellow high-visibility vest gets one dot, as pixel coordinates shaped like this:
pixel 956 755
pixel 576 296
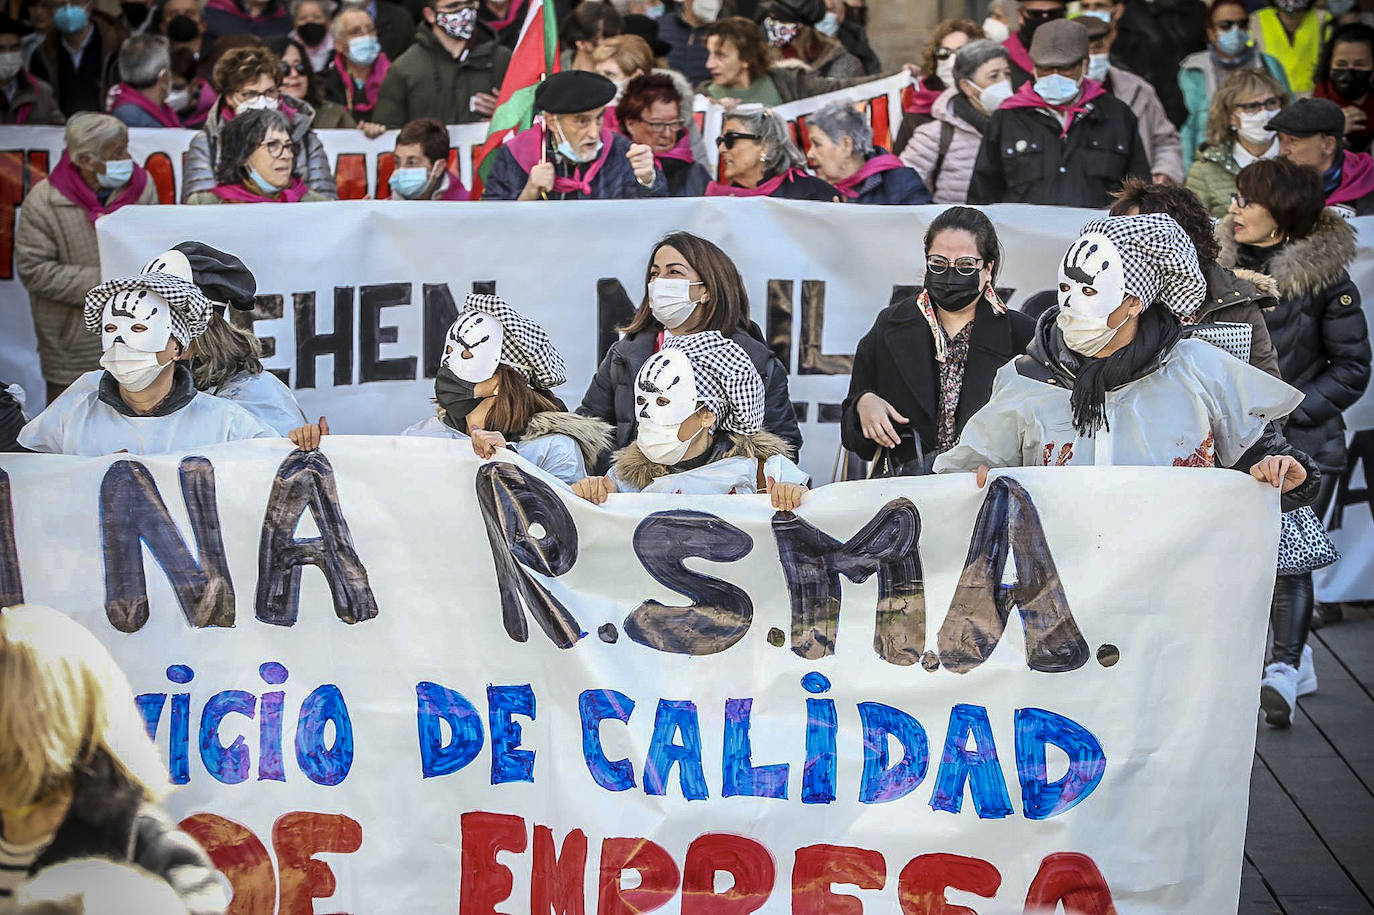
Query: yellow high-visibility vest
pixel 1298 56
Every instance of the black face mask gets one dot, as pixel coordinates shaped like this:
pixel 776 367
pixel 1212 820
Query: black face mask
pixel 136 13
pixel 457 397
pixel 312 33
pixel 1351 84
pixel 1027 31
pixel 182 28
pixel 951 290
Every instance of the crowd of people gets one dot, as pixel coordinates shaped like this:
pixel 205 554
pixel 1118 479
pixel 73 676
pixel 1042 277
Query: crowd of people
pixel 1206 318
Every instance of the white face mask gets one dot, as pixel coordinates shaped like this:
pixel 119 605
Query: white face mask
pixel 670 300
pixel 995 30
pixel 992 97
pixel 665 397
pixel 1091 286
pixel 260 103
pixel 706 10
pixel 944 70
pixel 178 99
pixel 139 319
pixel 1253 128
pixel 480 336
pixel 11 62
pixel 661 445
pixel 133 369
pixel 1097 66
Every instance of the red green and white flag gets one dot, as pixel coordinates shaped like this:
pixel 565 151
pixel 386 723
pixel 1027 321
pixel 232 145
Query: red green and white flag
pixel 535 56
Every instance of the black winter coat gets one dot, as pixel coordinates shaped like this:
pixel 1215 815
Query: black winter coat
pixel 11 421
pixel 611 395
pixel 896 361
pixel 1023 160
pixel 109 818
pixel 1318 328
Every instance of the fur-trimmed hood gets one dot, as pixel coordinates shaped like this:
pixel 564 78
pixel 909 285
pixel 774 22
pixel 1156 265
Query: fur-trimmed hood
pixel 593 436
pixel 1304 266
pixel 632 466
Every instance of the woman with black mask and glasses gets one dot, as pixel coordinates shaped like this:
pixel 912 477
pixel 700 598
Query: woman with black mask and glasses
pixel 928 363
pixel 759 159
pixel 256 159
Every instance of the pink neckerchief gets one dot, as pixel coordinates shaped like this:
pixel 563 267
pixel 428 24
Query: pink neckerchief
pixel 69 183
pixel 927 308
pixel 124 94
pixel 1027 97
pixel 682 151
pixel 516 7
pixel 205 103
pixel 529 144
pixel 1018 53
pixel 885 162
pixel 237 193
pixel 371 86
pixel 765 189
pixel 452 189
pixel 233 9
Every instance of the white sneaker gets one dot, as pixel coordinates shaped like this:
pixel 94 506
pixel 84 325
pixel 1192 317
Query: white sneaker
pixel 1307 673
pixel 1279 694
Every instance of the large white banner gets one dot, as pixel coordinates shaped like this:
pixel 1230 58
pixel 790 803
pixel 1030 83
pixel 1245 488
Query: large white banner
pixel 457 688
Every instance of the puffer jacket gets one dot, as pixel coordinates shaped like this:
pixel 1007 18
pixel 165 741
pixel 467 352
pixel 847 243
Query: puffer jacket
pixel 1242 296
pixel 426 82
pixel 58 261
pixel 923 151
pixel 1160 137
pixel 1198 78
pixel 312 165
pixel 109 818
pixel 611 394
pixel 1318 328
pixel 1212 177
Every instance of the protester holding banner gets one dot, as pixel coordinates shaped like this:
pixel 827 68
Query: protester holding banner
pixel 24 99
pixel 700 404
pixel 145 71
pixel 691 286
pixel 56 255
pixel 1311 132
pixel 495 389
pixel 943 150
pixel 843 153
pixel 1134 392
pixel 936 77
pixel 928 363
pixel 422 171
pixel 650 113
pixel 759 159
pixel 451 72
pixel 248 79
pixel 256 161
pixel 360 65
pixel 1237 134
pixel 742 71
pixel 79 777
pixel 1061 140
pixel 790 29
pixel 301 82
pixel 572 154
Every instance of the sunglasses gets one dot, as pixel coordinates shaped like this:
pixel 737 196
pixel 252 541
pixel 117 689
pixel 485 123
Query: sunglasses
pixel 1226 25
pixel 728 140
pixel 298 69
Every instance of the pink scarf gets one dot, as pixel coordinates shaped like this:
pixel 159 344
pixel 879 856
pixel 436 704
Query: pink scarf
pixel 1018 53
pixel 681 152
pixel 237 193
pixel 124 94
pixel 205 102
pixel 453 189
pixel 69 183
pixel 885 162
pixel 529 144
pixel 766 189
pixel 371 87
pixel 233 9
pixel 1027 97
pixel 515 10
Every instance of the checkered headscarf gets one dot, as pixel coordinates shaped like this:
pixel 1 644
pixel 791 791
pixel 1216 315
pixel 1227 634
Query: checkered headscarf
pixel 727 381
pixel 526 346
pixel 1158 260
pixel 191 310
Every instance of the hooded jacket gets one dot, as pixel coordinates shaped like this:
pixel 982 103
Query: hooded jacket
pixel 312 164
pixel 427 82
pixel 1212 176
pixel 923 151
pixel 1319 330
pixel 1198 78
pixel 1242 297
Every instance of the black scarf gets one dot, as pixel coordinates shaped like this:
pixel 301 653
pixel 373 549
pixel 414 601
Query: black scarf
pixel 1089 380
pixel 1254 257
pixel 966 110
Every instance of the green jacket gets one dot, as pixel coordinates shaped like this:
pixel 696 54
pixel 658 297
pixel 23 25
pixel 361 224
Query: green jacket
pixel 1213 178
pixel 426 82
pixel 1198 77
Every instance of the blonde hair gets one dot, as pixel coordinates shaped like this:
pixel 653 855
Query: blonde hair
pixel 222 352
pixel 630 52
pixel 63 702
pixel 1236 86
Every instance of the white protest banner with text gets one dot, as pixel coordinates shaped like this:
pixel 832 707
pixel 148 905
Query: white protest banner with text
pixel 465 690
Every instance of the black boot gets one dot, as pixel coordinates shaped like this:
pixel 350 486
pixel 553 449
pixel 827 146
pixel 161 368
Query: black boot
pixel 1290 613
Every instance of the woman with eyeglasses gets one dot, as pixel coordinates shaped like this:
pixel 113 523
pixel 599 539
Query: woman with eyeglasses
pixel 1278 224
pixel 1237 134
pixel 650 112
pixel 300 82
pixel 759 159
pixel 249 79
pixel 937 75
pixel 257 156
pixel 928 363
pixel 1229 50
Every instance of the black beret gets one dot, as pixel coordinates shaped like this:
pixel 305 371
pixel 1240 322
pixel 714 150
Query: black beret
pixel 573 91
pixel 646 28
pixel 221 276
pixel 1308 117
pixel 807 12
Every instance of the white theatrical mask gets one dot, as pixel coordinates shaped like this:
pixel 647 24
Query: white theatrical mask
pixel 1092 285
pixel 138 318
pixel 472 349
pixel 665 396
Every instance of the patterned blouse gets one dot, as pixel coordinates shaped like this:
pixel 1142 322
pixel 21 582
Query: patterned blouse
pixel 952 382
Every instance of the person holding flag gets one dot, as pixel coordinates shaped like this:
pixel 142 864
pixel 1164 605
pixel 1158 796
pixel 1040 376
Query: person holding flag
pixel 572 155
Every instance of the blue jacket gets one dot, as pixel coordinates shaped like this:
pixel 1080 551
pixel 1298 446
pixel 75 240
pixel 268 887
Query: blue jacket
pixel 615 181
pixel 894 187
pixel 134 116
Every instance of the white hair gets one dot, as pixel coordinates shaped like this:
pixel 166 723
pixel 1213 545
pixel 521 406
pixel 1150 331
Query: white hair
pixel 90 133
pixel 841 119
pixel 143 59
pixel 779 152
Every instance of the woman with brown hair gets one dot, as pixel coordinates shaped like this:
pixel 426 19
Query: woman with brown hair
pixel 691 286
pixel 742 68
pixel 1236 136
pixel 936 75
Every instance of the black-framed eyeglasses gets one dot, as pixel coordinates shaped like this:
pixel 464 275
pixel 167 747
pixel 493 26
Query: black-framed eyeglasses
pixel 299 69
pixel 729 139
pixel 1240 202
pixel 964 266
pixel 278 148
pixel 943 53
pixel 1226 25
pixel 663 126
pixel 1272 103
